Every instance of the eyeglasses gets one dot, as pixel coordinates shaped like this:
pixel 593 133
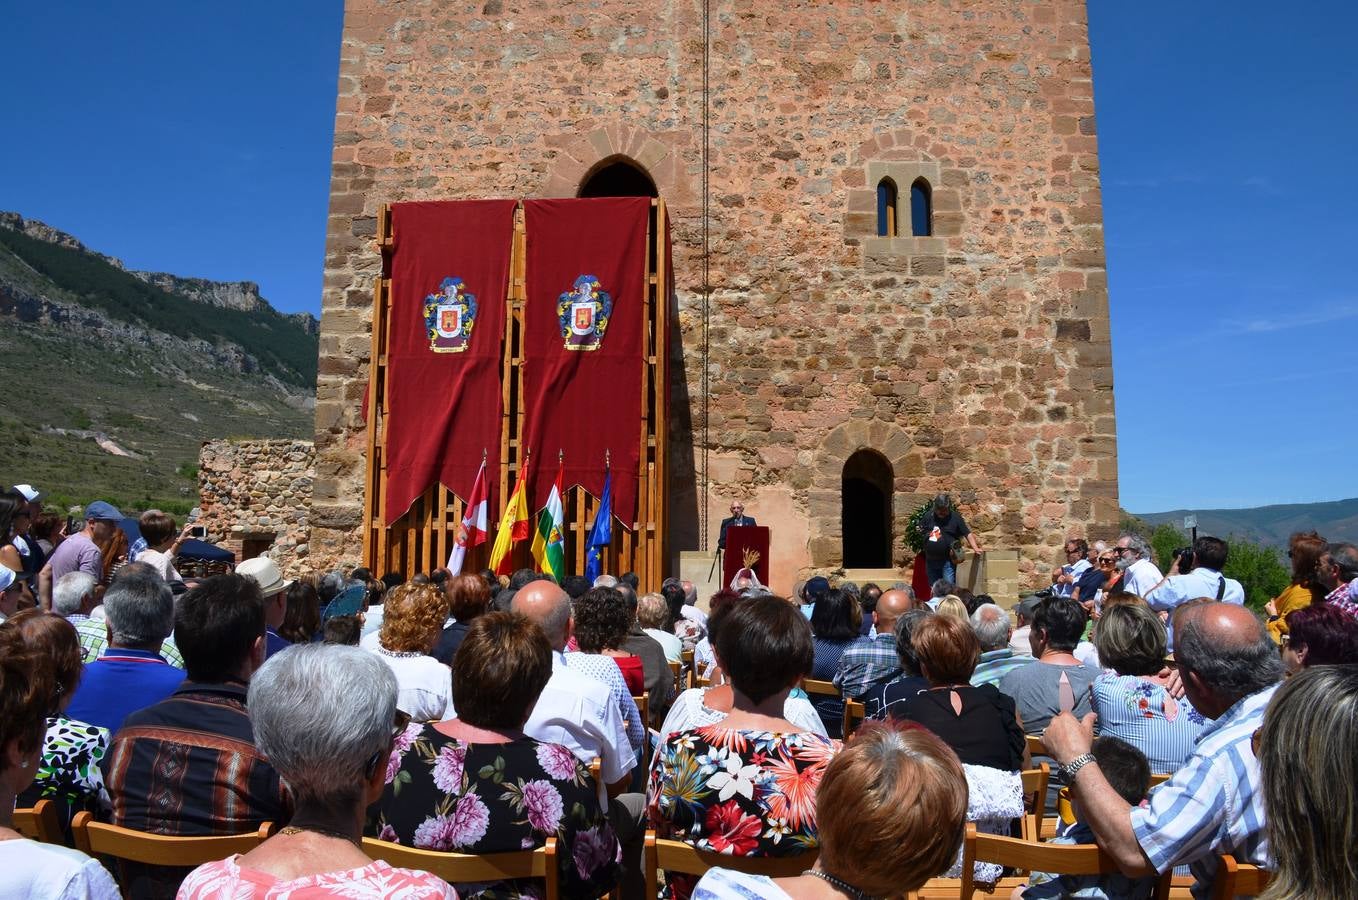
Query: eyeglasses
pixel 1070 550
pixel 1110 560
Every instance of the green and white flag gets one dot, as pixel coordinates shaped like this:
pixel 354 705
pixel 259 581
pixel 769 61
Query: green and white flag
pixel 549 546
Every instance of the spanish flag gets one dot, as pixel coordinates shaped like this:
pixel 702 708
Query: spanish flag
pixel 513 527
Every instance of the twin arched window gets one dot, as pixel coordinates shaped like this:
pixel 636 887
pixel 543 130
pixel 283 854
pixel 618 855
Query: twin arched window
pixel 921 209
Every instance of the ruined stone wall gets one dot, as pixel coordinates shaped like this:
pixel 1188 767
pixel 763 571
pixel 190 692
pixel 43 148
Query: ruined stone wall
pixel 976 360
pixel 259 491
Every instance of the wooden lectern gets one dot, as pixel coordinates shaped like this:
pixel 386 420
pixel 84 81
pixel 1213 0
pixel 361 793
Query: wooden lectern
pixel 740 538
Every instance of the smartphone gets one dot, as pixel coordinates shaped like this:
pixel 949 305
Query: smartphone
pixel 198 532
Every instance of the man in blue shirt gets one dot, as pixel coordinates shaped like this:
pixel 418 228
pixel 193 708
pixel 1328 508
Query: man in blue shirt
pixel 130 674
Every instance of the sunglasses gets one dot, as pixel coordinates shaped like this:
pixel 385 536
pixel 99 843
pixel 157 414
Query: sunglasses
pixel 1110 560
pixel 398 726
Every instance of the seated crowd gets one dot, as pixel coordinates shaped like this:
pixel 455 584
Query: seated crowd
pixel 481 715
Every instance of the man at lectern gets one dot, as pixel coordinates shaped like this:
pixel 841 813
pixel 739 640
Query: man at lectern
pixel 737 517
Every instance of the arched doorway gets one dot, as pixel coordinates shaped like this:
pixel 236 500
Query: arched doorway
pixel 865 519
pixel 617 177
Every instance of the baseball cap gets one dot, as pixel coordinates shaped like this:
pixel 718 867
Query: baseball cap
pixel 103 512
pixel 265 572
pixel 29 491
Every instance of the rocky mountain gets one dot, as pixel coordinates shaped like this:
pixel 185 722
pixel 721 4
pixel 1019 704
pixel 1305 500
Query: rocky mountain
pixel 114 377
pixel 1335 520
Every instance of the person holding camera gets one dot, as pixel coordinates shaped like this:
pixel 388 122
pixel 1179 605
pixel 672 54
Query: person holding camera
pixel 1195 572
pixel 162 544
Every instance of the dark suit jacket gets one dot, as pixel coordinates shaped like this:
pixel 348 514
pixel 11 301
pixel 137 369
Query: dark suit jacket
pixel 728 522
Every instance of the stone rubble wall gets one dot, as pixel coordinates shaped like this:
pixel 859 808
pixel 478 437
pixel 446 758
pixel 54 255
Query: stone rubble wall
pixel 259 489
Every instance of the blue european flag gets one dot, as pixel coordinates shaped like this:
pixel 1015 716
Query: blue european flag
pixel 601 535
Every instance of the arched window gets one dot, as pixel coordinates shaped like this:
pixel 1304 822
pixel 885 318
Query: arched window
pixel 886 208
pixel 865 492
pixel 618 178
pixel 921 209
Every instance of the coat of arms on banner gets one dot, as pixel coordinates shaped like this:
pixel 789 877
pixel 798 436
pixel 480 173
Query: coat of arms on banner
pixel 584 312
pixel 449 316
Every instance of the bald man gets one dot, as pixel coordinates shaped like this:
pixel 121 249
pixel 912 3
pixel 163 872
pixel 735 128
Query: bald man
pixel 1214 803
pixel 581 713
pixel 872 660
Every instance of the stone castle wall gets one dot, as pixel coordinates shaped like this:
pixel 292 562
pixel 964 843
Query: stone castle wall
pixel 259 491
pixel 976 360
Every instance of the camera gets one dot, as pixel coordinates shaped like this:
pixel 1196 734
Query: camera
pixel 1185 557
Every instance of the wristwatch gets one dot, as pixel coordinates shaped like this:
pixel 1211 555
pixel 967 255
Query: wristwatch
pixel 1067 772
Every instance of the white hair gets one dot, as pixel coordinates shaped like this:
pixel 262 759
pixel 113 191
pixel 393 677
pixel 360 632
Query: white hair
pixel 139 608
pixel 606 581
pixel 320 713
pixel 70 591
pixel 991 625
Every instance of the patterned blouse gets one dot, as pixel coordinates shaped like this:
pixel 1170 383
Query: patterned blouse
pixel 1143 714
pixel 747 793
pixel 443 794
pixel 69 771
pixel 225 879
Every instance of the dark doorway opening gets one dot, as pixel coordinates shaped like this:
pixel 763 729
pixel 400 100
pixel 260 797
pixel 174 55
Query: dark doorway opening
pixel 865 521
pixel 618 178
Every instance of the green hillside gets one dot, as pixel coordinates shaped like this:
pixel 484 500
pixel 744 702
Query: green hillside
pixel 280 344
pixel 1336 520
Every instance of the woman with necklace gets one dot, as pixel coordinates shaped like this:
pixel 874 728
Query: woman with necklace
pixel 326 717
pixel 891 809
pixel 29 690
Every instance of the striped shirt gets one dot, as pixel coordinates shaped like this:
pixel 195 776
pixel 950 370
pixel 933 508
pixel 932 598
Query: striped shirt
pixel 1214 804
pixel 94 639
pixel 995 664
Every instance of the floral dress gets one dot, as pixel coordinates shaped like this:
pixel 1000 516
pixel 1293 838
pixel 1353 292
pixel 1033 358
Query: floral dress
pixel 69 771
pixel 746 793
pixel 1143 714
pixel 443 794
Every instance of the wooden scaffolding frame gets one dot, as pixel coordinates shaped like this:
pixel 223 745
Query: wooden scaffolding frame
pixel 422 539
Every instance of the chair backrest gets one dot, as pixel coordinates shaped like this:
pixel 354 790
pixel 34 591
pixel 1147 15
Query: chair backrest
pixel 1064 859
pixel 820 688
pixel 41 822
pixel 99 839
pixel 1035 747
pixel 1237 879
pixel 676 856
pixel 677 671
pixel 643 703
pixel 686 656
pixel 472 867
pixel 1035 800
pixel 1159 778
pixel 854 713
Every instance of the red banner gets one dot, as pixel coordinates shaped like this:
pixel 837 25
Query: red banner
pixel 586 272
pixel 449 280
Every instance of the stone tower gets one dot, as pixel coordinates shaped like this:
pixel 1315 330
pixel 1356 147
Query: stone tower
pixel 888 244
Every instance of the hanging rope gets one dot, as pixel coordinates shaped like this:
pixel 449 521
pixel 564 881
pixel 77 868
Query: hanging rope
pixel 707 259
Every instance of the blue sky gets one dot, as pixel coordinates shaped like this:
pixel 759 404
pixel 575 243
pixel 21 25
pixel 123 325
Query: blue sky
pixel 195 138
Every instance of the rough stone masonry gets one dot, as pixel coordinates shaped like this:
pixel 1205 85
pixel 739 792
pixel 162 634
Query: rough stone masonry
pixel 974 360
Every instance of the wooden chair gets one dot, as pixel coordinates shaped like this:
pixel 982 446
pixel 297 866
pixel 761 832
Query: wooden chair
pixel 676 856
pixel 1066 859
pixel 854 713
pixel 677 670
pixel 99 839
pixel 644 707
pixel 1235 879
pixel 1035 747
pixel 686 656
pixel 1035 800
pixel 41 822
pixel 1159 778
pixel 473 867
pixel 820 688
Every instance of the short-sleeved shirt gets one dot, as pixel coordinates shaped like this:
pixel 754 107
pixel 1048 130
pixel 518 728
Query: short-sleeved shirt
pixel 1143 714
pixel 984 733
pixel 1037 691
pixel 119 683
pixel 728 884
pixel 76 554
pixel 227 878
pixel 1214 804
pixel 865 661
pixel 941 534
pixel 31 869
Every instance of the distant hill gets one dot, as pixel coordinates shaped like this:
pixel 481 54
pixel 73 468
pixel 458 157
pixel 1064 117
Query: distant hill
pixel 1336 520
pixel 113 378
